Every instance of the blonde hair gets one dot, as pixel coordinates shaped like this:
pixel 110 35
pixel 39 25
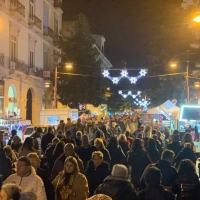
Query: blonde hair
pixel 34 156
pixel 100 141
pixel 10 153
pixel 97 153
pixel 147 129
pixel 122 137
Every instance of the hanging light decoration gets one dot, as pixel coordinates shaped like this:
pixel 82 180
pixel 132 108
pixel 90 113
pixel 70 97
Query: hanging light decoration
pixel 142 103
pixel 129 93
pixel 124 74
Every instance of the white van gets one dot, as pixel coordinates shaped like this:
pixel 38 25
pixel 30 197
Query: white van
pixel 53 116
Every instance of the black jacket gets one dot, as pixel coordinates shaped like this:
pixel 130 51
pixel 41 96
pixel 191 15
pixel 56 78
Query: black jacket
pixel 46 139
pixel 155 193
pixel 117 189
pixel 175 147
pixel 169 174
pixel 5 166
pixel 96 176
pixel 186 153
pixel 138 160
pixel 187 187
pixel 154 154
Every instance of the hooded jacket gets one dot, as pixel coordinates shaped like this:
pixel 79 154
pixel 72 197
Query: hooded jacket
pixel 31 183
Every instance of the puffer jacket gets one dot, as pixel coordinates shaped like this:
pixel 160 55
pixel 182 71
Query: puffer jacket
pixel 31 183
pixel 117 188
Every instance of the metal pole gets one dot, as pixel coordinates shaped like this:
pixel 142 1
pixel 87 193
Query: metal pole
pixel 187 83
pixel 55 87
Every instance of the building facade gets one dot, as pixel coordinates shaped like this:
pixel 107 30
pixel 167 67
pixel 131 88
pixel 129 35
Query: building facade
pixel 29 50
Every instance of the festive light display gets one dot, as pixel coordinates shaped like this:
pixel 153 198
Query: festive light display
pixel 142 103
pixel 124 74
pixel 129 93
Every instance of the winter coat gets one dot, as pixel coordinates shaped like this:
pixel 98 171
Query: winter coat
pixel 125 147
pixel 80 190
pixel 117 189
pixel 95 176
pixel 85 154
pixel 25 152
pixel 46 139
pixel 16 147
pixel 186 153
pixel 5 166
pixel 30 183
pixel 61 127
pixel 175 147
pixel 155 193
pixel 154 154
pixel 117 155
pixel 138 160
pixel 187 187
pixel 106 155
pixel 59 165
pixel 169 174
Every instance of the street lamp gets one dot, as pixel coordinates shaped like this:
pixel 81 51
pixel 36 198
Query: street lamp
pixel 68 66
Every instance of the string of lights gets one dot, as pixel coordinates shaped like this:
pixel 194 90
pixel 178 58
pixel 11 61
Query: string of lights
pixel 129 93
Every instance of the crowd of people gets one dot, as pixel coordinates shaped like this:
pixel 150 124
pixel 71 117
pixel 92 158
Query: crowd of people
pixel 117 158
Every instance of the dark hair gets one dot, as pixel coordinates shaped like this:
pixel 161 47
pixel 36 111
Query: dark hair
pixel 68 119
pixel 154 131
pixel 176 132
pixel 59 149
pixel 186 166
pixel 167 154
pixel 112 141
pixel 176 137
pixel 28 144
pixel 39 130
pixel 138 144
pixel 98 134
pixel 152 176
pixel 14 132
pixel 26 160
pixel 151 143
pixel 68 133
pixel 49 129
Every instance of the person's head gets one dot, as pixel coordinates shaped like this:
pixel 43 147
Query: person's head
pixel 68 134
pixel 176 132
pixel 23 166
pixel 98 142
pixel 138 144
pixel 60 134
pixel 39 130
pixel 113 141
pixel 140 135
pixel 152 176
pixel 142 127
pixel 35 160
pixel 85 141
pixel 127 133
pixel 98 134
pixel 151 143
pixel 68 120
pixel 10 153
pixel 69 149
pixel 50 129
pixel 176 138
pixel 187 145
pixel 79 135
pixel 61 121
pixel 97 158
pixel 10 191
pixel 55 141
pixel 13 132
pixel 71 165
pixel 59 149
pixel 122 137
pixel 79 120
pixel 119 172
pixel 99 197
pixel 28 143
pixel 147 129
pixel 186 166
pixel 154 131
pixel 168 155
pixel 16 140
pixel 155 137
pixel 188 137
pixel 1 135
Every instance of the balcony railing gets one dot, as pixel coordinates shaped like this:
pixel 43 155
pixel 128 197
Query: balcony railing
pixel 57 40
pixel 2 59
pixel 34 71
pixel 16 64
pixel 58 4
pixel 18 7
pixel 47 31
pixel 34 20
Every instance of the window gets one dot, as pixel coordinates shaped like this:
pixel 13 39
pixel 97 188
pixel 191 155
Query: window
pixel 31 10
pixel 31 58
pixel 46 16
pixel 13 47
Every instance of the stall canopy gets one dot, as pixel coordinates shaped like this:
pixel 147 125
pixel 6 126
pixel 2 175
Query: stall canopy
pixel 167 108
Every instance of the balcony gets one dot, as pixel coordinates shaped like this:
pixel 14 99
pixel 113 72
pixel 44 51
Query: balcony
pixel 58 4
pixel 34 71
pixel 35 23
pixel 57 41
pixel 16 64
pixel 2 57
pixel 48 33
pixel 17 10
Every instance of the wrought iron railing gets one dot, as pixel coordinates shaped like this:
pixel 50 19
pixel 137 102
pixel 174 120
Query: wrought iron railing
pixel 47 31
pixel 57 40
pixel 35 71
pixel 58 4
pixel 19 7
pixel 35 21
pixel 2 59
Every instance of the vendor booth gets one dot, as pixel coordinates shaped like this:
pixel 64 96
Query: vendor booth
pixel 164 116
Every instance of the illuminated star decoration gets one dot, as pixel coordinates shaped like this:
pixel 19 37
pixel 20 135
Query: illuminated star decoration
pixel 142 103
pixel 129 94
pixel 124 74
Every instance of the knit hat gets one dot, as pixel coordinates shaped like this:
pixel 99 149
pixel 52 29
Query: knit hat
pixel 120 171
pixel 100 197
pixel 28 196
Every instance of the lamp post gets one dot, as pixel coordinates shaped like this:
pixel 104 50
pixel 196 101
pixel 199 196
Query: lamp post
pixel 68 66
